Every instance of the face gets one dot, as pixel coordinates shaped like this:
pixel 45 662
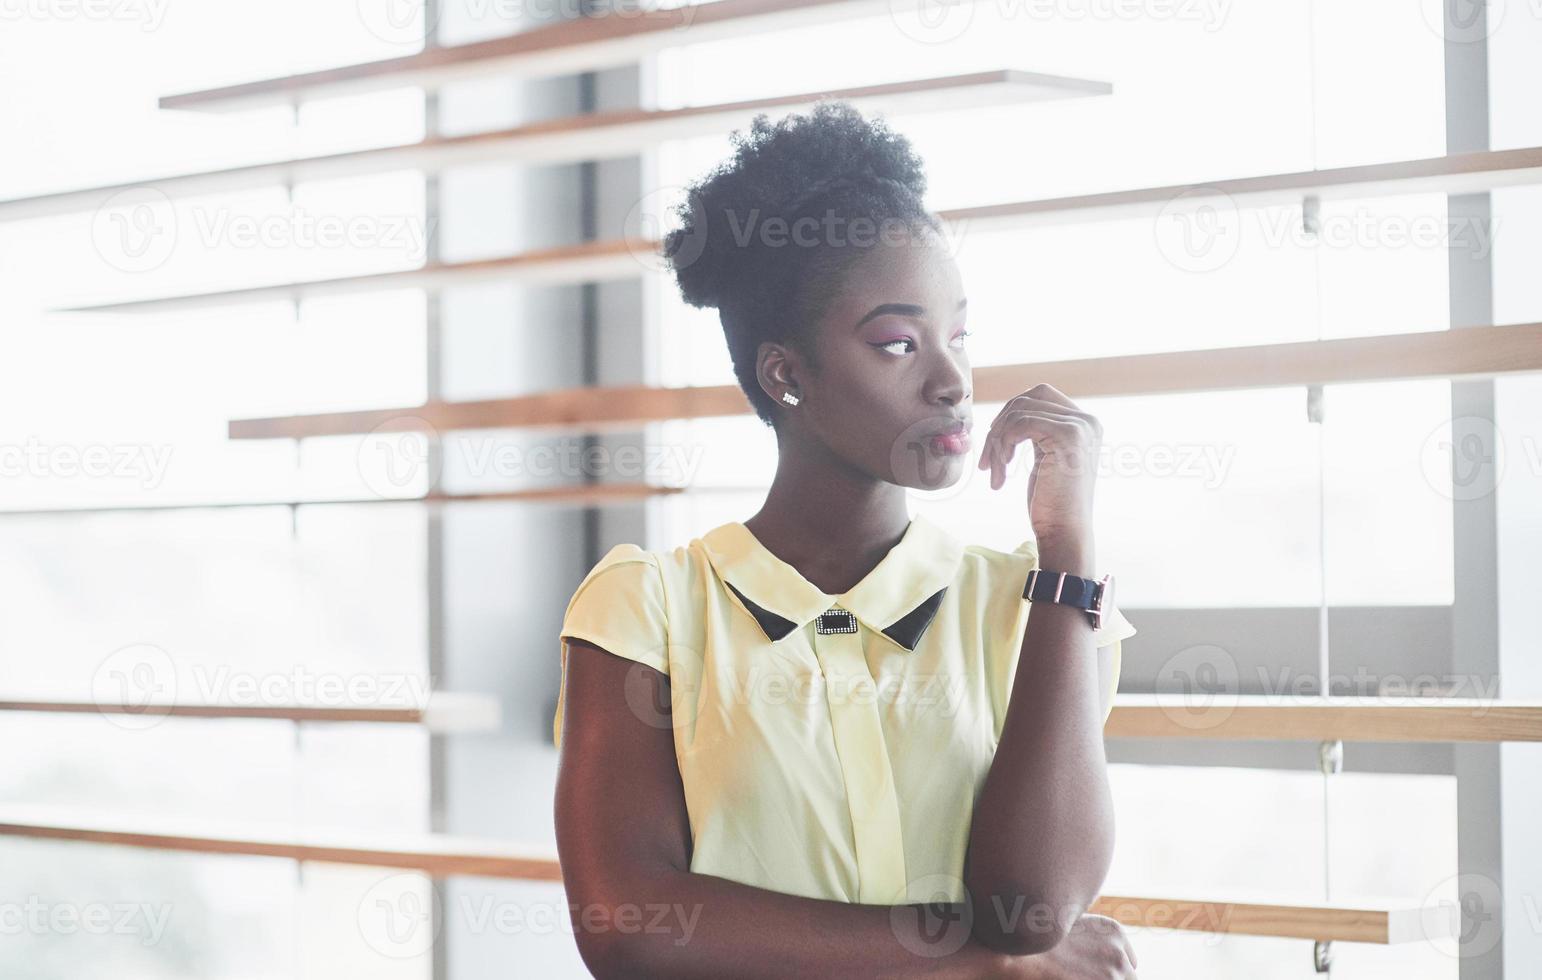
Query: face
pixel 894 393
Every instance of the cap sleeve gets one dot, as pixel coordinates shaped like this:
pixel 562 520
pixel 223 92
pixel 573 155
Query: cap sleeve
pixel 619 606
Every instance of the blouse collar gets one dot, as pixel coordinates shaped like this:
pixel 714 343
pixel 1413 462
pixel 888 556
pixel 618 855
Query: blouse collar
pixel 898 598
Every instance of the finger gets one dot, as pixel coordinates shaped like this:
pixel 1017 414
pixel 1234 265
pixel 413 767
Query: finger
pixel 1004 446
pixel 1023 403
pixel 1034 425
pixel 1044 404
pixel 1049 392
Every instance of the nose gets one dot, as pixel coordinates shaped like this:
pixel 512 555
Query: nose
pixel 951 382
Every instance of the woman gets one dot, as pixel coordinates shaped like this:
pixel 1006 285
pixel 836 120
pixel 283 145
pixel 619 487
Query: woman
pixel 793 746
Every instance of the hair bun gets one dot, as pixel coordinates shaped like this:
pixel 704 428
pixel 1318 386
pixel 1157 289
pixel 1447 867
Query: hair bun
pixel 781 169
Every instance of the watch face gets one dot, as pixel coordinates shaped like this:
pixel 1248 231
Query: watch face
pixel 1105 599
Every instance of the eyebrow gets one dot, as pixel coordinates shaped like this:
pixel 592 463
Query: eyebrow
pixel 900 309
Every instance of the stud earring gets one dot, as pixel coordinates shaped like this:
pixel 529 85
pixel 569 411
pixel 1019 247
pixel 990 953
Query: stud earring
pixel 789 398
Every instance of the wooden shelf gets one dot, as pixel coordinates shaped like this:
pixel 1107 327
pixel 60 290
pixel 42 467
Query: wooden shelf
pixel 439 856
pixel 1350 719
pixel 445 712
pixel 588 495
pixel 620 259
pixel 564 48
pixel 1382 923
pixel 567 265
pixel 1464 173
pixel 1477 351
pixel 592 136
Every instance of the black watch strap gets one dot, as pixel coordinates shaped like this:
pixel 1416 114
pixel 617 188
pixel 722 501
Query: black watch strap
pixel 1044 585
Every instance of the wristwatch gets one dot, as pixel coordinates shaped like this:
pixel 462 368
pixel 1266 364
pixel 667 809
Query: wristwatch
pixel 1092 595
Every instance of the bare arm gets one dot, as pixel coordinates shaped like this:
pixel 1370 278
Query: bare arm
pixel 1042 835
pixel 623 835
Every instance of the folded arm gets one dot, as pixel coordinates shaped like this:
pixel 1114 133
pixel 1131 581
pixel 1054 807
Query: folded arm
pixel 623 834
pixel 1042 836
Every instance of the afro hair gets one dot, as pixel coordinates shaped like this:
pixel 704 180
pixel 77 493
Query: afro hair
pixel 833 170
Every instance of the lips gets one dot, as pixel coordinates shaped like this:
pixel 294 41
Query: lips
pixel 953 429
pixel 951 439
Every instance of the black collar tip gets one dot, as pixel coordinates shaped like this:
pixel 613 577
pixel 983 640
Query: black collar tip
pixel 906 631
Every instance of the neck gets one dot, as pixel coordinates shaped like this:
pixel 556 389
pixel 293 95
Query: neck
pixel 829 521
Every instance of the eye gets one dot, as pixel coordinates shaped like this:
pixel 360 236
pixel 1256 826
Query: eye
pixel 901 340
pixel 961 336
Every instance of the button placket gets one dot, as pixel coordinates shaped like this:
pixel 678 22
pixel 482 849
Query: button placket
pixel 864 758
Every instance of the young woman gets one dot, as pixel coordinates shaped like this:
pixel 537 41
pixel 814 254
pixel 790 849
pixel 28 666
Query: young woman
pixel 794 747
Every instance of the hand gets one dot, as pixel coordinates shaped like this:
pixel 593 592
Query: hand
pixel 1065 450
pixel 1095 948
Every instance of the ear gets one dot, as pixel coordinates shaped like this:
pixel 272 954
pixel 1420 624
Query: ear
pixel 777 370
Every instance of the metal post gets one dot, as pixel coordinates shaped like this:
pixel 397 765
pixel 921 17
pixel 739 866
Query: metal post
pixel 438 778
pixel 1475 613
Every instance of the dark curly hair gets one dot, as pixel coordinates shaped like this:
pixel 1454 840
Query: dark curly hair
pixel 852 177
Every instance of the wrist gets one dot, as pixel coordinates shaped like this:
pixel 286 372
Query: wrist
pixel 1015 966
pixel 1067 551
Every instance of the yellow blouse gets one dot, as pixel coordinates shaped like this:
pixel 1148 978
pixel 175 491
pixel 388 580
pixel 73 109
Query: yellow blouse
pixel 830 746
